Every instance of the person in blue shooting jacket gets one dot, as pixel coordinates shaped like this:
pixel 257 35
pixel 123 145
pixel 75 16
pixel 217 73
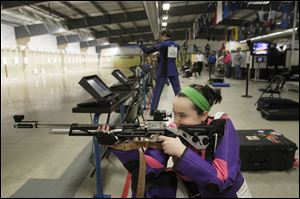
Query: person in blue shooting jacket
pixel 166 68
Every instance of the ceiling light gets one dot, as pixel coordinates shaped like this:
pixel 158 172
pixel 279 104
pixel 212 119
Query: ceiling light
pixel 258 2
pixel 166 6
pixel 164 23
pixel 165 17
pixel 90 38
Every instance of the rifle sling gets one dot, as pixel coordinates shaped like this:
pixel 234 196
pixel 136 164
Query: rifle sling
pixel 137 145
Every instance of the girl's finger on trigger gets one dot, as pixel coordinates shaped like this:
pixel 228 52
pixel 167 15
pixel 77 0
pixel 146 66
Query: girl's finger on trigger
pixel 103 128
pixel 161 138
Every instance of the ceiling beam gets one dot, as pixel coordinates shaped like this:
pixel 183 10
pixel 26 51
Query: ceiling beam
pixel 98 7
pixel 78 11
pixel 153 16
pixel 134 25
pixel 102 20
pixel 36 29
pixel 144 36
pixel 142 29
pixel 177 35
pixel 82 36
pixel 124 11
pixel 50 12
pixel 145 30
pixel 187 10
pixel 71 39
pixel 73 8
pixel 132 16
pixel 123 32
pixel 125 16
pixel 186 3
pixel 6 5
pixel 122 8
pixel 103 12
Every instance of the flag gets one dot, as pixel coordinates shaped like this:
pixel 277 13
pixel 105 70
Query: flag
pixel 219 11
pixel 226 10
pixel 284 16
pixel 214 17
pixel 236 33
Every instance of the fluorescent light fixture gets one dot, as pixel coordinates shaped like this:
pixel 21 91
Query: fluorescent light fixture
pixel 258 2
pixel 90 38
pixel 60 30
pixel 282 33
pixel 165 17
pixel 164 23
pixel 166 6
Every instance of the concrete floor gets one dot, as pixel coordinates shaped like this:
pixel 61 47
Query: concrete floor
pixel 34 163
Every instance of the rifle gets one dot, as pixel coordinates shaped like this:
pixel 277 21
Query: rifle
pixel 199 137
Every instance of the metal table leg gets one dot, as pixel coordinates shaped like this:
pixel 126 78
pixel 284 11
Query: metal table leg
pixel 98 151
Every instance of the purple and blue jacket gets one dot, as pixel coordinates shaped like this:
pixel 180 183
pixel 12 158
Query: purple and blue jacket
pixel 166 66
pixel 216 176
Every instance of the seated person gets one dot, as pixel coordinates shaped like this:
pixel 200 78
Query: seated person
pixel 188 73
pixel 212 172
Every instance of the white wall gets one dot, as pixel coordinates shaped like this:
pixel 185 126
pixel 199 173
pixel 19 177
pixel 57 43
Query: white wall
pixel 288 60
pixel 43 42
pixel 73 48
pixel 8 38
pixel 232 45
pixel 91 50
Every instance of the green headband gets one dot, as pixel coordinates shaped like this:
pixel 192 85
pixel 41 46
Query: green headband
pixel 196 97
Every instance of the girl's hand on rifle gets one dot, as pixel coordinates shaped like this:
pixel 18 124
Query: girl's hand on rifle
pixel 172 146
pixel 103 129
pixel 104 138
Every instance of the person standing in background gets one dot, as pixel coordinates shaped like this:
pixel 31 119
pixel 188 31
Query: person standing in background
pixel 207 50
pixel 237 63
pixel 227 61
pixel 166 69
pixel 222 47
pixel 211 63
pixel 199 61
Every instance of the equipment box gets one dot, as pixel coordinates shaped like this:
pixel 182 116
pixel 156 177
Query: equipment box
pixel 276 103
pixel 265 150
pixel 280 114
